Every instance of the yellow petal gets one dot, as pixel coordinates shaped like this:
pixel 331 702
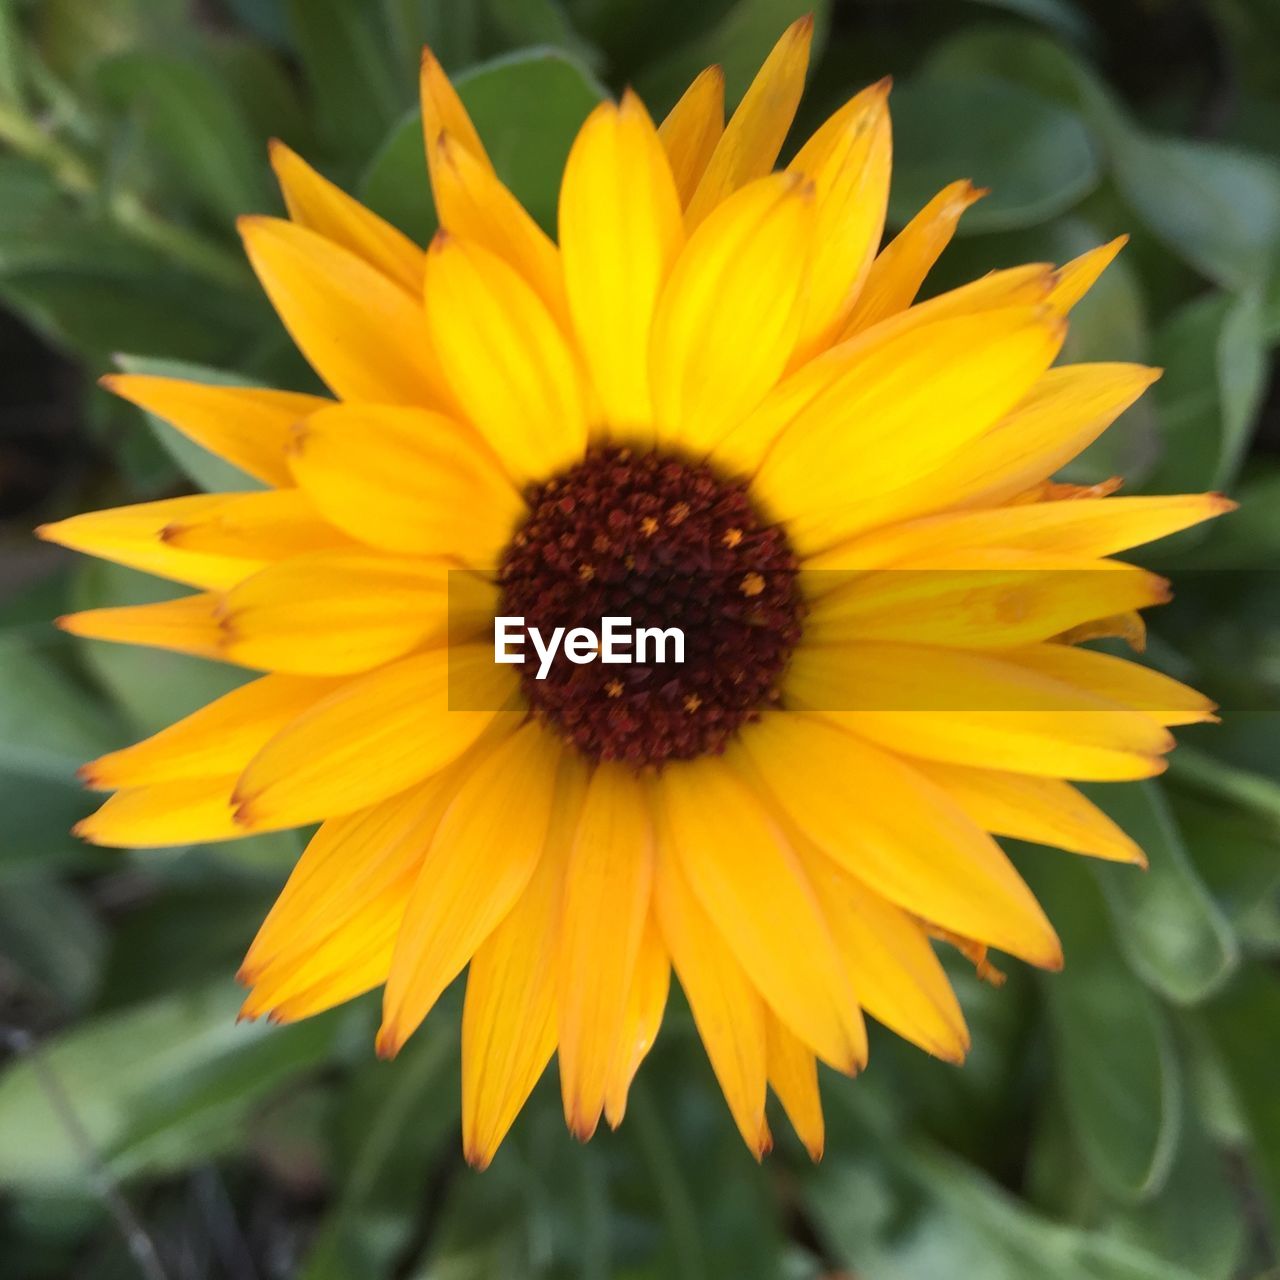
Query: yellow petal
pixel 620 231
pixel 727 1009
pixel 1074 280
pixel 903 837
pixel 793 1074
pixel 1127 684
pixel 352 872
pixel 1084 527
pixel 335 614
pixel 479 863
pixel 898 272
pixel 314 202
pixel 726 322
pixel 986 599
pixel 1043 810
pixel 754 136
pixel 362 334
pixel 691 130
pixel 474 204
pixel 1064 413
pixel 247 426
pixel 507 361
pixel 221 738
pixel 136 536
pixel 972 708
pixel 189 811
pixel 899 978
pixel 509 1018
pixel 373 738
pixel 443 112
pixel 798 393
pixel 910 403
pixel 267 526
pixel 749 881
pixel 645 1005
pixel 186 625
pixel 848 160
pixel 606 901
pixel 407 480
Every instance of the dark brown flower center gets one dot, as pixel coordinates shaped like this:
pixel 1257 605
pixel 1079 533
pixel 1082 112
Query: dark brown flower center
pixel 669 544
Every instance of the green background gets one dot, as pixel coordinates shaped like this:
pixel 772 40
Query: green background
pixel 1120 1121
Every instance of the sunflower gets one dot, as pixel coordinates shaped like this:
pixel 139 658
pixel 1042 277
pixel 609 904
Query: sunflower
pixel 711 402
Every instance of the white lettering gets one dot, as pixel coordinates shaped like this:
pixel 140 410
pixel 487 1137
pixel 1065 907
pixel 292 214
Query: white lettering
pixel 615 644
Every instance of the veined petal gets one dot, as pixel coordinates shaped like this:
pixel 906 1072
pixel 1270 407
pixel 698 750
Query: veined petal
pixel 335 614
pixel 407 480
pixel 753 137
pixel 443 113
pixel 1083 527
pixel 247 426
pixel 135 536
pixel 475 205
pixel 896 275
pixel 1074 280
pixel 188 811
pixel 901 982
pixel 739 866
pixel 221 738
pixel 186 625
pixel 691 130
pixel 509 1017
pixel 362 334
pixel 268 526
pixel 748 443
pixel 606 901
pixel 316 203
pixel 988 599
pixel 374 737
pixel 957 706
pixel 848 160
pixel 1062 414
pixel 1127 684
pixel 477 867
pixel 910 403
pixel 727 1009
pixel 902 837
pixel 793 1075
pixel 727 320
pixel 643 1016
pixel 1043 810
pixel 620 232
pixel 507 361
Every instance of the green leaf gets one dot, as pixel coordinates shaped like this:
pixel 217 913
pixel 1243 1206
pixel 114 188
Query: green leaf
pixel 1036 157
pixel 1217 208
pixel 526 22
pixel 208 471
pixel 52 939
pixel 155 1087
pixel 192 119
pixel 383 1178
pixel 74 36
pixel 1115 1060
pixel 739 43
pixel 527 108
pixel 1171 931
pixel 354 88
pixel 1059 15
pixel 1248 1011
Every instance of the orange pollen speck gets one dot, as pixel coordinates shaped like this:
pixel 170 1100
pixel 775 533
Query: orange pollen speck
pixel 752 585
pixel 731 538
pixel 692 703
pixel 586 572
pixel 679 513
pixel 648 526
pixel 614 688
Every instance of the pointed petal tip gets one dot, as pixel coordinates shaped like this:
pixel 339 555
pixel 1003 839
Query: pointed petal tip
pixel 477 1157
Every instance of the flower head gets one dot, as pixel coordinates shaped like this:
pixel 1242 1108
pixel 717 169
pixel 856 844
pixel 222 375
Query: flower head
pixel 712 404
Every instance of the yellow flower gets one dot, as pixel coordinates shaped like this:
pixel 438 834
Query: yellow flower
pixel 712 402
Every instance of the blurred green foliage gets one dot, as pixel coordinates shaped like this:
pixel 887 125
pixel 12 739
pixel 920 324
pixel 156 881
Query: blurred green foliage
pixel 1117 1122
